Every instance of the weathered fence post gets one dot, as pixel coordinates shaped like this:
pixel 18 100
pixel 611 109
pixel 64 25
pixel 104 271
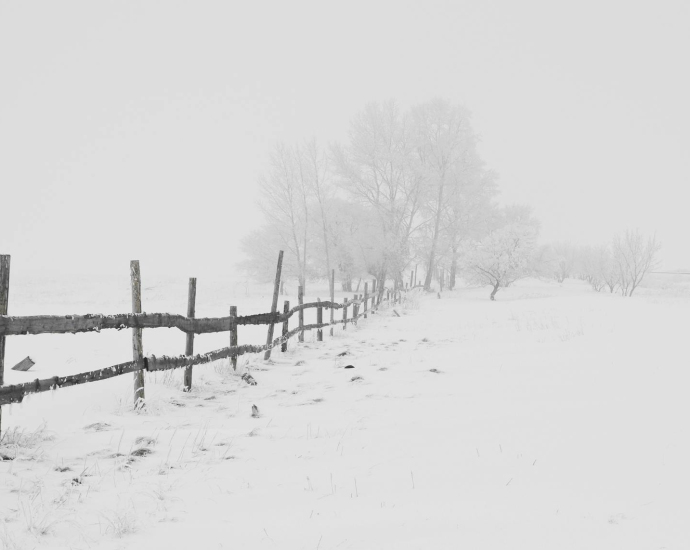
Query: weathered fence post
pixel 411 278
pixel 274 305
pixel 373 295
pixel 233 335
pixel 4 300
pixel 319 320
pixel 344 313
pixel 355 309
pixel 366 298
pixel 286 310
pixel 137 336
pixel 332 316
pixel 300 301
pixel 189 347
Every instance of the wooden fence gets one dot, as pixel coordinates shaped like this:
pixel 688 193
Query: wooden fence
pixel 52 324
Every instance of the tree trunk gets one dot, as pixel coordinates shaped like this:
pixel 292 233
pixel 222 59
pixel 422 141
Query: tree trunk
pixel 434 241
pixel 494 291
pixel 453 272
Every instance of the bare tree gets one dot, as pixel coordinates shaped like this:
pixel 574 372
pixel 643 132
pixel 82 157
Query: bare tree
pixel 634 257
pixel 284 197
pixel 376 169
pixel 445 148
pixel 316 168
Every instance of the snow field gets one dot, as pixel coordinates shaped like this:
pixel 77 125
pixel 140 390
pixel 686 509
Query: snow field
pixel 552 418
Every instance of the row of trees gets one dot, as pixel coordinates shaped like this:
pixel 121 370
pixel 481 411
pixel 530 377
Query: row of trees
pixel 620 265
pixel 407 188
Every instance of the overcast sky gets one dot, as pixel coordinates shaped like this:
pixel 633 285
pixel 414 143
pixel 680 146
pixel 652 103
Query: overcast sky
pixel 137 129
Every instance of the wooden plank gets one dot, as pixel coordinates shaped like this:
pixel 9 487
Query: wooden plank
pixel 137 336
pixel 344 313
pixel 366 298
pixel 274 304
pixel 319 321
pixel 4 301
pixel 300 300
pixel 70 324
pixel 24 365
pixel 373 295
pixel 286 309
pixel 332 310
pixel 189 344
pixel 233 336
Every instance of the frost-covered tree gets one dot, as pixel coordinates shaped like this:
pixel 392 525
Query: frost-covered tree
pixel 315 169
pixel 634 256
pixel 285 193
pixel 505 254
pixel 446 155
pixel 468 214
pixel 376 170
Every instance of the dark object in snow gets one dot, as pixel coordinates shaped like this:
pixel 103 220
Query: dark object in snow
pixel 97 426
pixel 143 451
pixel 354 378
pixel 255 411
pixel 349 366
pixel 439 295
pixel 5 457
pixel 299 363
pixel 435 370
pixel 249 379
pixel 24 365
pixel 396 313
pixel 342 353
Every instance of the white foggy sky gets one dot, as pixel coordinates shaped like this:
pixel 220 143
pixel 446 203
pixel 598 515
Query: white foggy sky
pixel 137 129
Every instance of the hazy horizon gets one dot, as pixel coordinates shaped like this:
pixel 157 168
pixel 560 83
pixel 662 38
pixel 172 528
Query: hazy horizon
pixel 135 130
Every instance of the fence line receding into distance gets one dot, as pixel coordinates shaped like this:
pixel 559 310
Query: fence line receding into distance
pixel 69 324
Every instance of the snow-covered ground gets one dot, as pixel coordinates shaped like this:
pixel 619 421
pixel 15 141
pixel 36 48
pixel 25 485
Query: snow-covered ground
pixel 554 417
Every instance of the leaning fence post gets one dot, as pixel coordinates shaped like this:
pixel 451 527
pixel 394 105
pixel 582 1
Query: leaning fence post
pixel 366 297
pixel 344 313
pixel 189 347
pixel 319 321
pixel 233 335
pixel 274 306
pixel 137 337
pixel 332 299
pixel 286 310
pixel 4 299
pixel 300 301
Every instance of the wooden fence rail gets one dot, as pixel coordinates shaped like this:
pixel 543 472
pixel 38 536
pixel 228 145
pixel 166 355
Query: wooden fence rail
pixel 66 324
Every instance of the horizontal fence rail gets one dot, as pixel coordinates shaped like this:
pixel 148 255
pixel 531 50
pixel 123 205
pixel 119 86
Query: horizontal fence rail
pixel 71 324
